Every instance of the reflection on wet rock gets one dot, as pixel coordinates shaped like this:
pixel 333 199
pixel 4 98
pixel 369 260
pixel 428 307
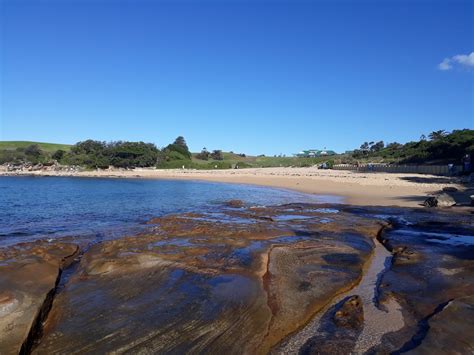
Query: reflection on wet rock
pixel 235 281
pixel 305 278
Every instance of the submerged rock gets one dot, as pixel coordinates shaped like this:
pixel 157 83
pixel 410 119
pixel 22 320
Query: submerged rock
pixel 235 203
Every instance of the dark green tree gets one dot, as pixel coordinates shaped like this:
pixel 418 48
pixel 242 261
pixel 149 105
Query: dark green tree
pixel 217 155
pixel 181 142
pixel 204 155
pixel 437 135
pixel 33 151
pixel 58 155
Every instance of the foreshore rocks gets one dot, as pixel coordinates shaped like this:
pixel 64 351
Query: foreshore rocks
pixel 29 273
pixel 236 281
pixel 339 328
pixel 450 330
pixel 351 314
pixel 440 200
pixel 431 275
pixel 241 280
pixel 18 168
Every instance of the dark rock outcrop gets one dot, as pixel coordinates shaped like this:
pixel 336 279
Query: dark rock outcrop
pixel 441 200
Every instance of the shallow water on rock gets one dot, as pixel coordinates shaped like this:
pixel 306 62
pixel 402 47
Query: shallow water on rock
pixel 101 209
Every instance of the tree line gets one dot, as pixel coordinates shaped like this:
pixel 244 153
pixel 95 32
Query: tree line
pixel 120 154
pixel 439 146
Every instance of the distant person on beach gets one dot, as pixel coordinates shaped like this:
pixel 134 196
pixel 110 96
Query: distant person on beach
pixel 451 169
pixel 466 160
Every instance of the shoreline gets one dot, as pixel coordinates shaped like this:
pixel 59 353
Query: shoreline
pixel 376 189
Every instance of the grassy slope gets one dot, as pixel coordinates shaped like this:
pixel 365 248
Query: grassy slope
pixel 47 147
pixel 265 161
pixel 229 158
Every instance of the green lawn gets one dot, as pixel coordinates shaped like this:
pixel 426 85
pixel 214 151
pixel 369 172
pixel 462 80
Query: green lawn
pixel 263 161
pixel 47 147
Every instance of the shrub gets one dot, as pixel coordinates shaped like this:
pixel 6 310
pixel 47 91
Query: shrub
pixel 58 155
pixel 217 155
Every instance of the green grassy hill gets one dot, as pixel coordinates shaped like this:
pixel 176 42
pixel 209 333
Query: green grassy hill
pixel 14 151
pixel 262 161
pixel 47 147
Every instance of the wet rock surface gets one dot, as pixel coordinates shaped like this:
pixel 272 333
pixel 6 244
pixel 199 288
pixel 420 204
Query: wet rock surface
pixel 28 276
pixel 339 329
pixel 433 266
pixel 450 330
pixel 299 278
pixel 351 314
pixel 234 281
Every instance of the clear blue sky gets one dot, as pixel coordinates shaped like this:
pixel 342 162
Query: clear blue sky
pixel 249 76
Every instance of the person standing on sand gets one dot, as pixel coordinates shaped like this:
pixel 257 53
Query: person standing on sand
pixel 466 160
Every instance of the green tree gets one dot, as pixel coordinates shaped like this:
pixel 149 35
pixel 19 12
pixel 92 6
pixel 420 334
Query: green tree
pixel 58 155
pixel 437 135
pixel 177 148
pixel 33 151
pixel 181 142
pixel 377 147
pixel 204 155
pixel 217 155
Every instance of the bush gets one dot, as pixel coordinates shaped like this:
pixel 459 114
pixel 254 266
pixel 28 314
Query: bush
pixel 58 155
pixel 33 151
pixel 217 155
pixel 204 155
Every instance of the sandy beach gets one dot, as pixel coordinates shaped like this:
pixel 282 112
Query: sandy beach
pixel 380 189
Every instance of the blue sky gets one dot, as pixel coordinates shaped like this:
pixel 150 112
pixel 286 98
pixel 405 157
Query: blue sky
pixel 249 76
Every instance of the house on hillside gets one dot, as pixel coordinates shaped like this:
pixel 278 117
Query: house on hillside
pixel 311 153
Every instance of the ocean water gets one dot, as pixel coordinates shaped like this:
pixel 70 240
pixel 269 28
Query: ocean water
pixel 99 208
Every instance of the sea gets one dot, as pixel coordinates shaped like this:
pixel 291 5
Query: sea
pixel 105 208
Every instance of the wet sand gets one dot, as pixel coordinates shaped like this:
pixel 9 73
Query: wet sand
pixel 379 189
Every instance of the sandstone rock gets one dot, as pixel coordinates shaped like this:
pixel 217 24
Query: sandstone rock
pixel 431 267
pixel 203 283
pixel 450 331
pixel 28 276
pixel 351 313
pixel 338 331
